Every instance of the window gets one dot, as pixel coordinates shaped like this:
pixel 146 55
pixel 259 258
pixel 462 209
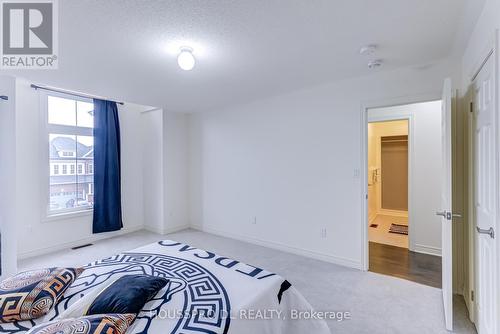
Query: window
pixel 70 122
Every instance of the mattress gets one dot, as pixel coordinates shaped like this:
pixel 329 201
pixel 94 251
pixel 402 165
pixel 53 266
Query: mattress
pixel 207 293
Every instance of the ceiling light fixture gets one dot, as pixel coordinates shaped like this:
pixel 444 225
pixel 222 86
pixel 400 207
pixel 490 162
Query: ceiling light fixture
pixel 186 59
pixel 372 64
pixel 368 50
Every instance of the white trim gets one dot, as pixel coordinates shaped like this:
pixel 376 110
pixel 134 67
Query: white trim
pixel 68 215
pixel 164 231
pixel 365 260
pixel 471 276
pixel 68 245
pixel 411 159
pixel 394 213
pixel 497 165
pixel 424 249
pixel 285 248
pixel 372 218
pixel 398 101
pixel 44 158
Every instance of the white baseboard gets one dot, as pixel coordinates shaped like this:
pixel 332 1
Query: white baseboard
pixel 75 243
pixel 394 213
pixel 164 231
pixel 285 248
pixel 431 250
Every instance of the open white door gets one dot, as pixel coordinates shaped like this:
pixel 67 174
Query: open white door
pixel 445 211
pixel 485 193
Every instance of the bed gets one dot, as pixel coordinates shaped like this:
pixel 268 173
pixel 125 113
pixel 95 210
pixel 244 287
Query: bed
pixel 207 293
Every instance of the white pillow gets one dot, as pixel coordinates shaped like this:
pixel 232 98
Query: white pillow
pixel 79 308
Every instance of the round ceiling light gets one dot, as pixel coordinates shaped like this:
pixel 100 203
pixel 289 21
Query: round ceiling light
pixel 186 59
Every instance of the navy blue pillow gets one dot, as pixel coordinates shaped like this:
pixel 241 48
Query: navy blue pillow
pixel 128 294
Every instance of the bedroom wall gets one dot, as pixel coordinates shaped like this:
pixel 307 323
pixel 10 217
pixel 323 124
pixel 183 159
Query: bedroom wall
pixel 175 142
pixel 152 174
pixel 280 171
pixel 7 177
pixel 36 236
pixel 425 189
pixel 165 175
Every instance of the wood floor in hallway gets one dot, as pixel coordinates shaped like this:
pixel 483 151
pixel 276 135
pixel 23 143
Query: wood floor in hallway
pixel 402 263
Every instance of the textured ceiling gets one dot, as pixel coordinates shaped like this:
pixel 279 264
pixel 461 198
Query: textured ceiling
pixel 245 50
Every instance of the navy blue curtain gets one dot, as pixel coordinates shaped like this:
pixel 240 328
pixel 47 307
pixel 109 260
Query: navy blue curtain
pixel 107 188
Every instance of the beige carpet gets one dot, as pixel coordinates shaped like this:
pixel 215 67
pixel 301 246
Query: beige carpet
pixel 378 303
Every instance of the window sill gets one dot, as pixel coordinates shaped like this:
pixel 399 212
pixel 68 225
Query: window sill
pixel 68 215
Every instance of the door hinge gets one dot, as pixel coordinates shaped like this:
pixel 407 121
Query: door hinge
pixel 472 295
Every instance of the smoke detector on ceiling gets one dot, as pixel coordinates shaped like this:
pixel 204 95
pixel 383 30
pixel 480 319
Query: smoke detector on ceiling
pixel 372 64
pixel 368 50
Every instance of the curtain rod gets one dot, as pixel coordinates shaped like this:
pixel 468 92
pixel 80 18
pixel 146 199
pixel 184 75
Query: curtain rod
pixel 57 90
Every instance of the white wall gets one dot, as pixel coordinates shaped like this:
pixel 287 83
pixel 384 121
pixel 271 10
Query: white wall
pixel 480 39
pixel 152 157
pixel 175 142
pixel 165 172
pixel 425 159
pixel 7 177
pixel 293 162
pixel 36 236
pixel 131 138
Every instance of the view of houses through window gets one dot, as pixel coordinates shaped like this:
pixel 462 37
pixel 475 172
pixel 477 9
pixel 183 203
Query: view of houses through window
pixel 71 154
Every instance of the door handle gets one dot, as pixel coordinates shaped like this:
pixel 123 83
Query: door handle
pixel 441 213
pixel 490 231
pixel 448 215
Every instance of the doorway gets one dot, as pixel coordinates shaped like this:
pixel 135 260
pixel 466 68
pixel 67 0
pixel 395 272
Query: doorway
pixel 403 186
pixel 388 183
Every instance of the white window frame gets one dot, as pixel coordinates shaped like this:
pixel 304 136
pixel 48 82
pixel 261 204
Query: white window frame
pixel 46 129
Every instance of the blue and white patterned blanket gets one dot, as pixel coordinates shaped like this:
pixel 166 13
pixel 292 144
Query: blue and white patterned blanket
pixel 207 293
